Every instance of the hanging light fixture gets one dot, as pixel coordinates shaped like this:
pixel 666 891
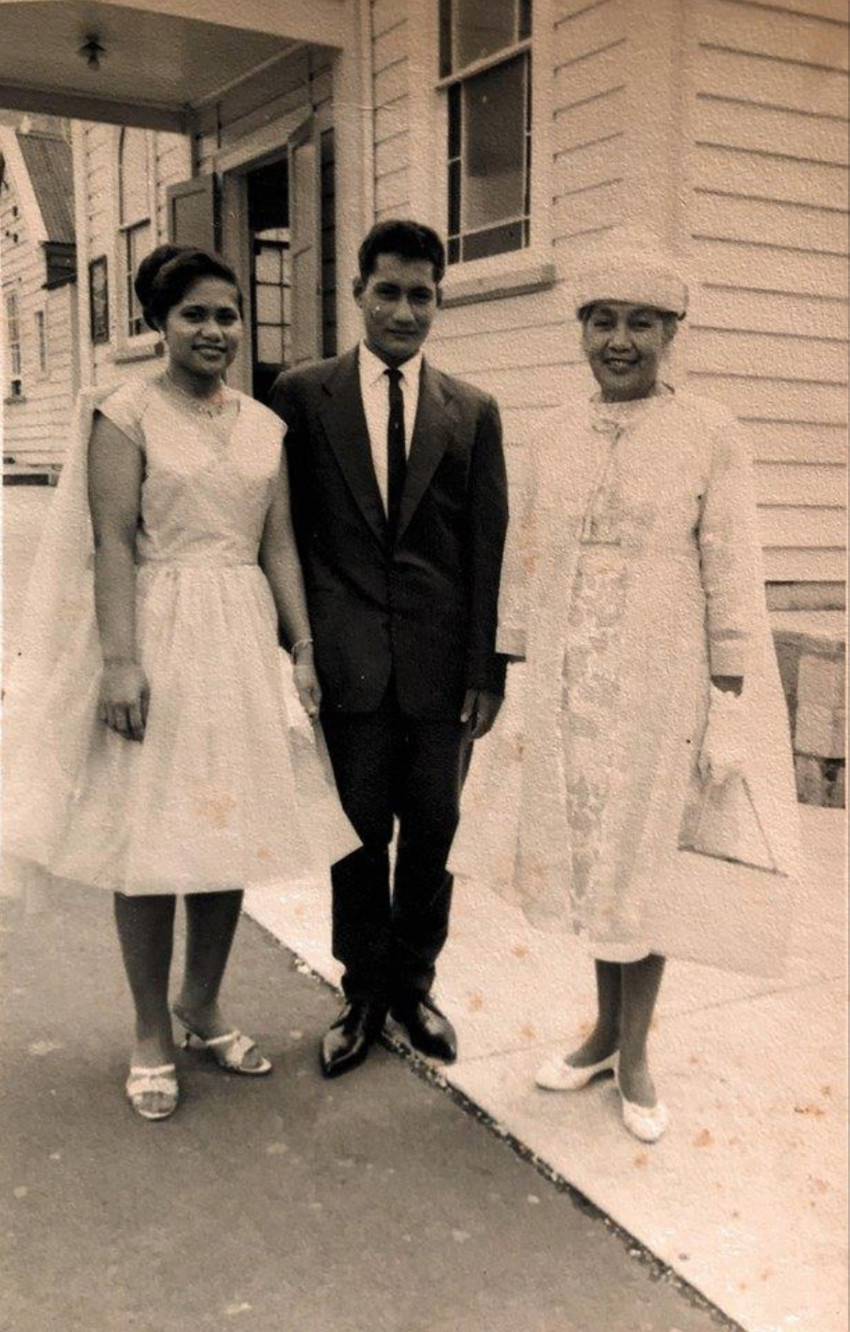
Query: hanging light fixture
pixel 91 50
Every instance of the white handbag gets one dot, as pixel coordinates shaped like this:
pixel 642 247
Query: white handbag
pixel 721 820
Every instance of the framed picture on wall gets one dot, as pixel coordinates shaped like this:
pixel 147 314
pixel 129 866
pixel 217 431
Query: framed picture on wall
pixel 99 300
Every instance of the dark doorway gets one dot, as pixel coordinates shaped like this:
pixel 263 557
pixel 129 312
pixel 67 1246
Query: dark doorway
pixel 271 321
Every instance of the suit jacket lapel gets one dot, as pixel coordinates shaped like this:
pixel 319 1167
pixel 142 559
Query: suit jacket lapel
pixel 344 421
pixel 431 434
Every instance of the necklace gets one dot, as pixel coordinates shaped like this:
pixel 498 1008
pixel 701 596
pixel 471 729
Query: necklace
pixel 213 405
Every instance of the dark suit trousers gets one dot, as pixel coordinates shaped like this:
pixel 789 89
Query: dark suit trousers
pixel 390 766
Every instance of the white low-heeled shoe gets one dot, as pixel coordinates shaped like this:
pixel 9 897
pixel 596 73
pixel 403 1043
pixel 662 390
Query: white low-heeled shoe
pixel 557 1075
pixel 648 1123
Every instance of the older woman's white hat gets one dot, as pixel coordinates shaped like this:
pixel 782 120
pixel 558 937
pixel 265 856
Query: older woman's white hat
pixel 631 264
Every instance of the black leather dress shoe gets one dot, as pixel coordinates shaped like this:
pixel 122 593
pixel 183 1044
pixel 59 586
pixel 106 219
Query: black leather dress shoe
pixel 429 1030
pixel 347 1042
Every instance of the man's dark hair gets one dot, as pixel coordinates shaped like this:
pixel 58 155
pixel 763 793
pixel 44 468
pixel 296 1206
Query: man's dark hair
pixel 407 240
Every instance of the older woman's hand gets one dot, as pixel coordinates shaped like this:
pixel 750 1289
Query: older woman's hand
pixel 722 753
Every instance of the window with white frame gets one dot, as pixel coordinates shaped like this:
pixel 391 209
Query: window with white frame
pixel 41 341
pixel 134 217
pixel 485 70
pixel 14 382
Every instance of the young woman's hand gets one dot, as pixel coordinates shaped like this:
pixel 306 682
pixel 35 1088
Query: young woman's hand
pixel 124 699
pixel 307 682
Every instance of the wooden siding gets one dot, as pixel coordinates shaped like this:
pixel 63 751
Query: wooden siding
pixel 524 349
pixel 170 154
pixel 391 109
pixel 589 49
pixel 297 80
pixel 301 79
pixel 768 222
pixel 35 426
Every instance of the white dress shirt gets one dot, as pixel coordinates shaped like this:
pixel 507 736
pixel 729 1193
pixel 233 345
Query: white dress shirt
pixel 375 392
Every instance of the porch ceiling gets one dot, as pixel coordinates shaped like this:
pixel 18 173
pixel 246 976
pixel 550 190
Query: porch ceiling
pixel 158 60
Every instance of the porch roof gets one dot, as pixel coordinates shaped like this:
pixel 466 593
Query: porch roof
pixel 158 60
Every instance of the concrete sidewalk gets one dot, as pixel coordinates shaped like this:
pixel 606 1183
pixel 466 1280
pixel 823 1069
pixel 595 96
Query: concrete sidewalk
pixel 746 1196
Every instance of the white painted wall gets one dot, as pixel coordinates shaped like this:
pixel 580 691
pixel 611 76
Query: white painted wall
pixel 767 214
pixel 96 156
pixel 722 124
pixel 35 426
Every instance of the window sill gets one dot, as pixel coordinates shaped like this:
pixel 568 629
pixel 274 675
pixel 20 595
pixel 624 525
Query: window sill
pixel 14 399
pixel 463 286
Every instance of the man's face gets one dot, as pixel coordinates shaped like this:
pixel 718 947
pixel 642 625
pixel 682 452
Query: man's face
pixel 398 301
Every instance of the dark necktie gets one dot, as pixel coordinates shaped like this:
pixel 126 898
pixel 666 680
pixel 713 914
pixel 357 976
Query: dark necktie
pixel 396 458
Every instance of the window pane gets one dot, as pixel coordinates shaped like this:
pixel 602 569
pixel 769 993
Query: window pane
pixel 13 334
pixel 455 120
pixel 138 242
pixel 482 27
pixel 41 339
pixel 138 245
pixel 445 37
pixel 133 175
pixel 454 198
pixel 268 305
pixel 495 241
pixel 267 265
pixel 494 117
pixel 268 346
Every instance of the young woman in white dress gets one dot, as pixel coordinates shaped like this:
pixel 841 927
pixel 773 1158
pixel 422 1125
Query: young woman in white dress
pixel 152 750
pixel 633 589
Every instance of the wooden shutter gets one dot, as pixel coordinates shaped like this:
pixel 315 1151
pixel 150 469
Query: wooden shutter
pixel 192 213
pixel 304 230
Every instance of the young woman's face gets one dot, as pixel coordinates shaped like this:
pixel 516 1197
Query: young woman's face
pixel 204 329
pixel 624 344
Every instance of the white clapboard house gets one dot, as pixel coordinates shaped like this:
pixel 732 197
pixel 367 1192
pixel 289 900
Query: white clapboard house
pixel 278 131
pixel 38 314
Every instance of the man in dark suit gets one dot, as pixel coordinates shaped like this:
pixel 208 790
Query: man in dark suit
pixel 399 501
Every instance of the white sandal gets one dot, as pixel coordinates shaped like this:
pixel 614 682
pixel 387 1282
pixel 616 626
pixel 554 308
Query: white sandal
pixel 159 1081
pixel 557 1075
pixel 228 1050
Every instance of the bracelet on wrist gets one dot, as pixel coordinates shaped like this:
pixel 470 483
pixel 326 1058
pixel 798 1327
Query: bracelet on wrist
pixel 299 647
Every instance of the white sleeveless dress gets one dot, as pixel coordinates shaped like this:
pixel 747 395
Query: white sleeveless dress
pixel 231 786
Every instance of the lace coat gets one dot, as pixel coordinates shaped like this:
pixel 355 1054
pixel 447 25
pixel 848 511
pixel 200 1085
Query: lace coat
pixel 694 605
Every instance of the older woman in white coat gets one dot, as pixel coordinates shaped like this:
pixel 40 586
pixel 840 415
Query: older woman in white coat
pixel 657 813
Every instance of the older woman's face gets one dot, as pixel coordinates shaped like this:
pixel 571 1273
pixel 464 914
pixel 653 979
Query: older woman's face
pixel 624 344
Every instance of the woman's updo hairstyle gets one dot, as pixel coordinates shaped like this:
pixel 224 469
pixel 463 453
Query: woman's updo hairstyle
pixel 166 274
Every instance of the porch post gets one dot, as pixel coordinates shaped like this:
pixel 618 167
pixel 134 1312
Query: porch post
pixel 655 196
pixel 353 131
pixel 657 153
pixel 82 332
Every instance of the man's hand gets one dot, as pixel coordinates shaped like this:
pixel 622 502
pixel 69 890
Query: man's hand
pixel 480 710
